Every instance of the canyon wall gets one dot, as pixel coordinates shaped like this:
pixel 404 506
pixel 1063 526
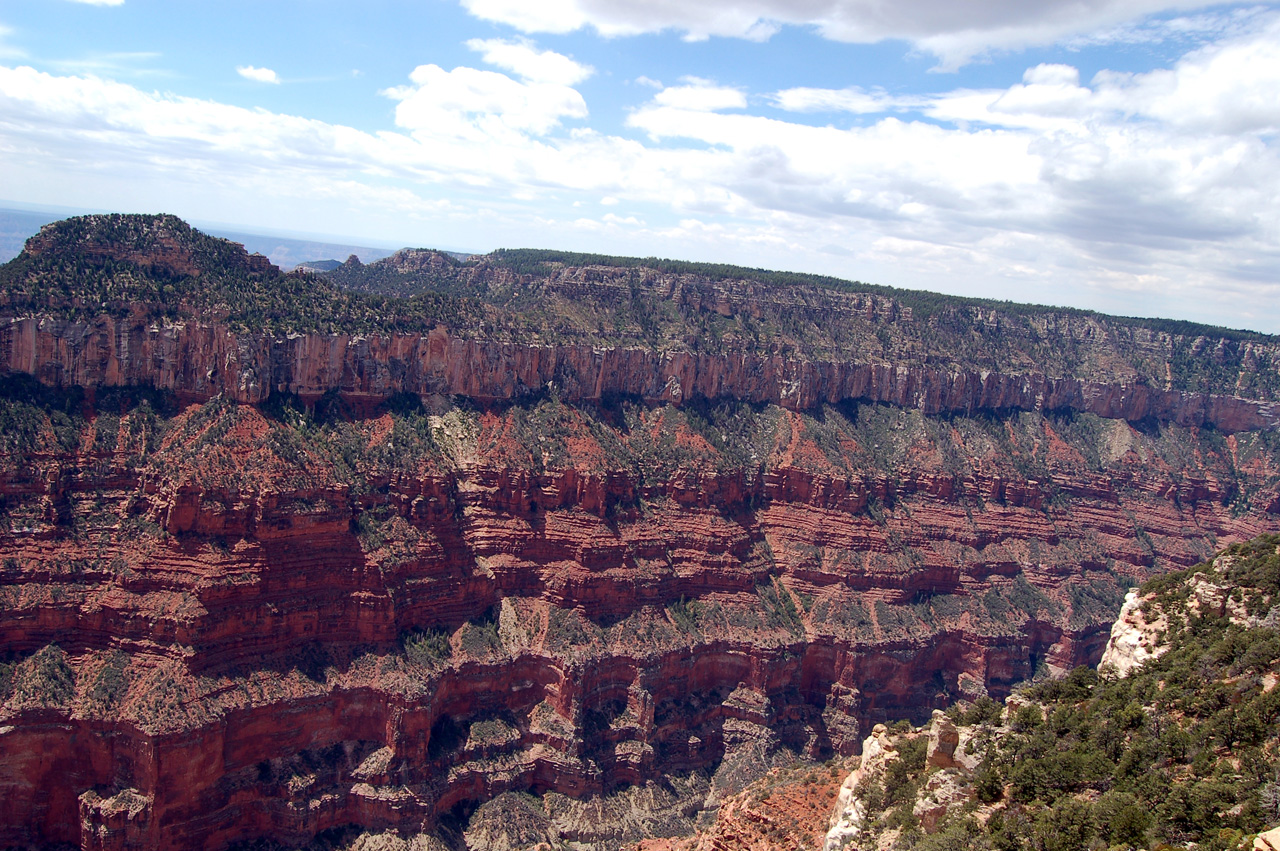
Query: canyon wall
pixel 199 361
pixel 229 626
pixel 259 588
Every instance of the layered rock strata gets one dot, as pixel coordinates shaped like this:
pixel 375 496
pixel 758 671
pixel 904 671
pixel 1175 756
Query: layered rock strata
pixel 262 587
pixel 228 626
pixel 200 361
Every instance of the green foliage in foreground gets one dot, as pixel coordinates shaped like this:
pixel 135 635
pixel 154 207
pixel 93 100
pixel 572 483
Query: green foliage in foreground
pixel 1182 752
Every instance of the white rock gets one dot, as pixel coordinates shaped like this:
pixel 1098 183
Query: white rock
pixel 1133 639
pixel 849 817
pixel 1269 841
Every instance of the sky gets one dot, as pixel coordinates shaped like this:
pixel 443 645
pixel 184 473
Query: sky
pixel 1117 155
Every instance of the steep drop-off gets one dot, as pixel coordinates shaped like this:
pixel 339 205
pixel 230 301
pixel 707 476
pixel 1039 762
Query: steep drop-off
pixel 260 585
pixel 1179 749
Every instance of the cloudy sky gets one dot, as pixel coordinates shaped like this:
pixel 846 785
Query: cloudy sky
pixel 1112 154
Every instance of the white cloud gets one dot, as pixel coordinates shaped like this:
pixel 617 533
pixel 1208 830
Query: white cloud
pixel 1210 25
pixel 954 32
pixel 261 75
pixel 113 64
pixel 701 96
pixel 1225 88
pixel 466 103
pixel 526 61
pixel 100 2
pixel 1159 184
pixel 852 99
pixel 1049 91
pixel 547 16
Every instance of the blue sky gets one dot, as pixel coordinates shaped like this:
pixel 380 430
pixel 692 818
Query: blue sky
pixel 1113 154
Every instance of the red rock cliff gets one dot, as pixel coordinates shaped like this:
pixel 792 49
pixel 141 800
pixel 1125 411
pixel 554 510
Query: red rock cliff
pixel 229 626
pixel 252 587
pixel 199 361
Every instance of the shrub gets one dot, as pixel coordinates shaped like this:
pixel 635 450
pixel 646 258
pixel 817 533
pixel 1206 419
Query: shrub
pixel 428 648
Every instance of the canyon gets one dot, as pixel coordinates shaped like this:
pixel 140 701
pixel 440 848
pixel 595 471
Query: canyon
pixel 269 584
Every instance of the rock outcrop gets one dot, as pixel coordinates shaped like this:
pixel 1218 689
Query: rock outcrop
pixel 949 761
pixel 848 820
pixel 1134 640
pixel 944 739
pixel 1268 840
pixel 1140 632
pixel 1093 758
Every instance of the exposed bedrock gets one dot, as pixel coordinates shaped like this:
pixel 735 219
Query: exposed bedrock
pixel 203 360
pixel 219 578
pixel 602 631
pixel 226 622
pixel 361 754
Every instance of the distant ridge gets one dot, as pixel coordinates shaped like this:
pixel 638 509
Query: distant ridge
pixel 670 329
pixel 16 226
pixel 289 253
pixel 317 266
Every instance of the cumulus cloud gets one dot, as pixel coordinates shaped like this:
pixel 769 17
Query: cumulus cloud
pixel 467 103
pixel 1223 89
pixel 954 32
pixel 260 75
pixel 524 60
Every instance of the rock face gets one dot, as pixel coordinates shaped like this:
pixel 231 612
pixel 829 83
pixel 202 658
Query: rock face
pixel 850 813
pixel 258 587
pixel 944 738
pixel 199 361
pixel 1133 639
pixel 949 765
